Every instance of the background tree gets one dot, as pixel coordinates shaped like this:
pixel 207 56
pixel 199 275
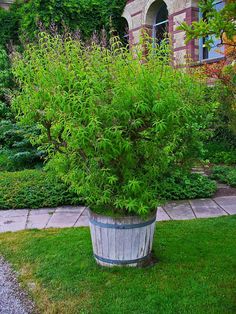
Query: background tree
pixel 218 23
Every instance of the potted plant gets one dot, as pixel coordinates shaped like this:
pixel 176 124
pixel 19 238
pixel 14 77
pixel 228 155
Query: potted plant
pixel 114 126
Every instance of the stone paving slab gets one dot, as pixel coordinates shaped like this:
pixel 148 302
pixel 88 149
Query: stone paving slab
pixel 70 209
pixel 161 215
pixel 206 208
pixel 11 223
pixel 38 221
pixel 83 221
pixel 42 211
pixel 63 219
pixel 179 210
pixel 78 216
pixel 86 212
pixel 13 213
pixel 228 203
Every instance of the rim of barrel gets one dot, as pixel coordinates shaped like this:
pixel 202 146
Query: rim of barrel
pixel 121 225
pixel 93 215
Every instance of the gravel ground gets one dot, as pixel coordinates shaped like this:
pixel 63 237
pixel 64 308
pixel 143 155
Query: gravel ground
pixel 13 300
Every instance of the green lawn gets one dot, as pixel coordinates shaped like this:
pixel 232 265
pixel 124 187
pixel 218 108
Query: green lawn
pixel 195 273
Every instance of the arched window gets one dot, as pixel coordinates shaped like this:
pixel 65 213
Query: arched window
pixel 124 31
pixel 160 27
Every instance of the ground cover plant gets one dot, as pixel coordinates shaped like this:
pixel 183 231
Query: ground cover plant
pixel 224 174
pixel 113 125
pixel 220 152
pixel 33 189
pixel 36 188
pixel 195 271
pixel 180 186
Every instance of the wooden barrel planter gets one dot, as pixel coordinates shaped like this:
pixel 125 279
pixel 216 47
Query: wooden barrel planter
pixel 122 241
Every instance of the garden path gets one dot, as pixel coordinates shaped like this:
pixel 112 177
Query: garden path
pixel 68 216
pixel 13 300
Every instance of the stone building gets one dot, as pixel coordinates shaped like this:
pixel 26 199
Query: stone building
pixel 5 3
pixel 159 17
pixel 163 16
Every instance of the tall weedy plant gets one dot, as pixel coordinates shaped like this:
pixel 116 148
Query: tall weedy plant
pixel 115 122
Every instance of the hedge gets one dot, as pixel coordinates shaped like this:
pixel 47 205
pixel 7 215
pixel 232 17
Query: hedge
pixel 33 189
pixel 38 188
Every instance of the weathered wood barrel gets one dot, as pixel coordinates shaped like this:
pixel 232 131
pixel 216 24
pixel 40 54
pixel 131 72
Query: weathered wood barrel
pixel 121 241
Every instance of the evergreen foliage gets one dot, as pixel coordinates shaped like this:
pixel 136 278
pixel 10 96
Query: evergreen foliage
pixel 16 151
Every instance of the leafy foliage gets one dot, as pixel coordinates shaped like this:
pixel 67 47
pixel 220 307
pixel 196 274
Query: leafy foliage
pixel 84 15
pixel 225 174
pixel 33 189
pixel 115 126
pixel 186 186
pixel 16 151
pixel 8 27
pixel 220 24
pixel 5 73
pixel 224 76
pixel 220 153
pixel 36 188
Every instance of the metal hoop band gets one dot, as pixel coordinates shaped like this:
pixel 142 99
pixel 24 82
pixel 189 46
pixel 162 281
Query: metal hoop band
pixel 119 262
pixel 116 226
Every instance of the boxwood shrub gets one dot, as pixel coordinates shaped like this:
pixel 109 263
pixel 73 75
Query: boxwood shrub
pixel 33 189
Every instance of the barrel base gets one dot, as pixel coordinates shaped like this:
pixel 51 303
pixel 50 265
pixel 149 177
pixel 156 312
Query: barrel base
pixel 149 261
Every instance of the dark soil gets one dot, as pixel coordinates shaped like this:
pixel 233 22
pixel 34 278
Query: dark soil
pixel 225 191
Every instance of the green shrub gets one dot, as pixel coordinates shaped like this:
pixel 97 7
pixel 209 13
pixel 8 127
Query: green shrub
pixel 5 72
pixel 16 151
pixel 220 153
pixel 186 186
pixel 224 174
pixel 37 189
pixel 33 189
pixel 114 125
pixel 86 16
pixel 8 27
